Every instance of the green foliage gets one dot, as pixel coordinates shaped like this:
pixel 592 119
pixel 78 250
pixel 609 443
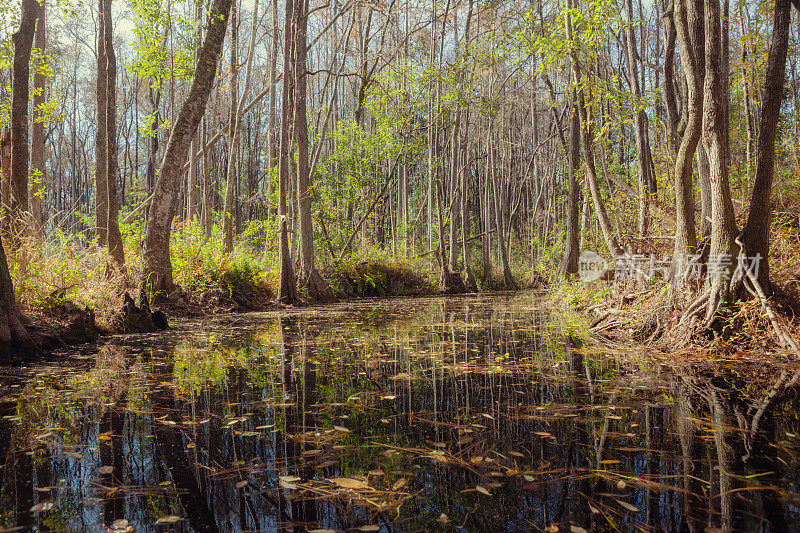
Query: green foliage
pixel 64 269
pixel 201 268
pixel 154 22
pixel 373 272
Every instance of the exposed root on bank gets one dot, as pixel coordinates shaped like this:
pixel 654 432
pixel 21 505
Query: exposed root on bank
pixel 655 319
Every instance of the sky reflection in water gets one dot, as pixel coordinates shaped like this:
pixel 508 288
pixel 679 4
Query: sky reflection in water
pixel 477 413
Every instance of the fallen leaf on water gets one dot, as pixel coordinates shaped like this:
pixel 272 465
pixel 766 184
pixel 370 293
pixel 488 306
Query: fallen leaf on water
pixel 350 483
pixel 321 530
pixel 241 484
pixel 41 506
pixel 443 519
pixel 371 527
pixel 483 490
pixel 552 528
pixel 169 519
pixel 400 483
pixel 621 484
pixel 311 452
pixel 342 429
pixel 105 469
pixel 609 462
pixel 388 397
pixel 577 529
pixel 627 506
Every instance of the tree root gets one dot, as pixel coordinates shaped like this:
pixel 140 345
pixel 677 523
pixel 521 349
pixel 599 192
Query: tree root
pixel 695 309
pixel 755 288
pixel 318 288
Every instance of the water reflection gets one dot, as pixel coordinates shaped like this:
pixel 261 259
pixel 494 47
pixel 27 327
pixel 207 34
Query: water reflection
pixel 477 413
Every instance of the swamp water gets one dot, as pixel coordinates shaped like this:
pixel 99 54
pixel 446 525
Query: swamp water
pixel 478 413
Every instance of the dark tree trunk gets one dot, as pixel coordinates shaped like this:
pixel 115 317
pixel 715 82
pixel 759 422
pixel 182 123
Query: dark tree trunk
pixel 15 335
pixel 235 126
pixel 20 98
pixel 715 128
pixel 641 127
pixel 755 235
pixel 287 286
pixel 309 276
pixel 101 133
pixel 37 134
pixel 114 238
pixel 690 30
pixel 569 265
pixel 5 186
pixel 669 88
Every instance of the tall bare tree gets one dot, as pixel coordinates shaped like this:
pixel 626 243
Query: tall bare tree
pixel 14 326
pixel 755 235
pixel 287 284
pixel 20 99
pixel 101 132
pixel 690 28
pixel 37 131
pixel 715 139
pixel 113 235
pixel 308 276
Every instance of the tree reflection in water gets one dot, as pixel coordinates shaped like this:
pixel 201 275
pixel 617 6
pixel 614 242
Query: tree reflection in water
pixel 473 413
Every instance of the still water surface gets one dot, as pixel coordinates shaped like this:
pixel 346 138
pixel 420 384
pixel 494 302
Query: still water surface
pixel 479 413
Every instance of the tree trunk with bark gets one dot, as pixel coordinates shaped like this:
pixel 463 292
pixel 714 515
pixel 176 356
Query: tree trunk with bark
pixel 690 32
pixel 287 285
pixel 15 331
pixel 101 131
pixel 569 265
pixel 641 126
pixel 669 87
pixel 308 276
pixel 15 334
pixel 235 121
pixel 37 192
pixel 587 144
pixel 157 267
pixel 496 187
pixel 20 98
pixel 5 186
pixel 755 234
pixel 715 139
pixel 113 235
